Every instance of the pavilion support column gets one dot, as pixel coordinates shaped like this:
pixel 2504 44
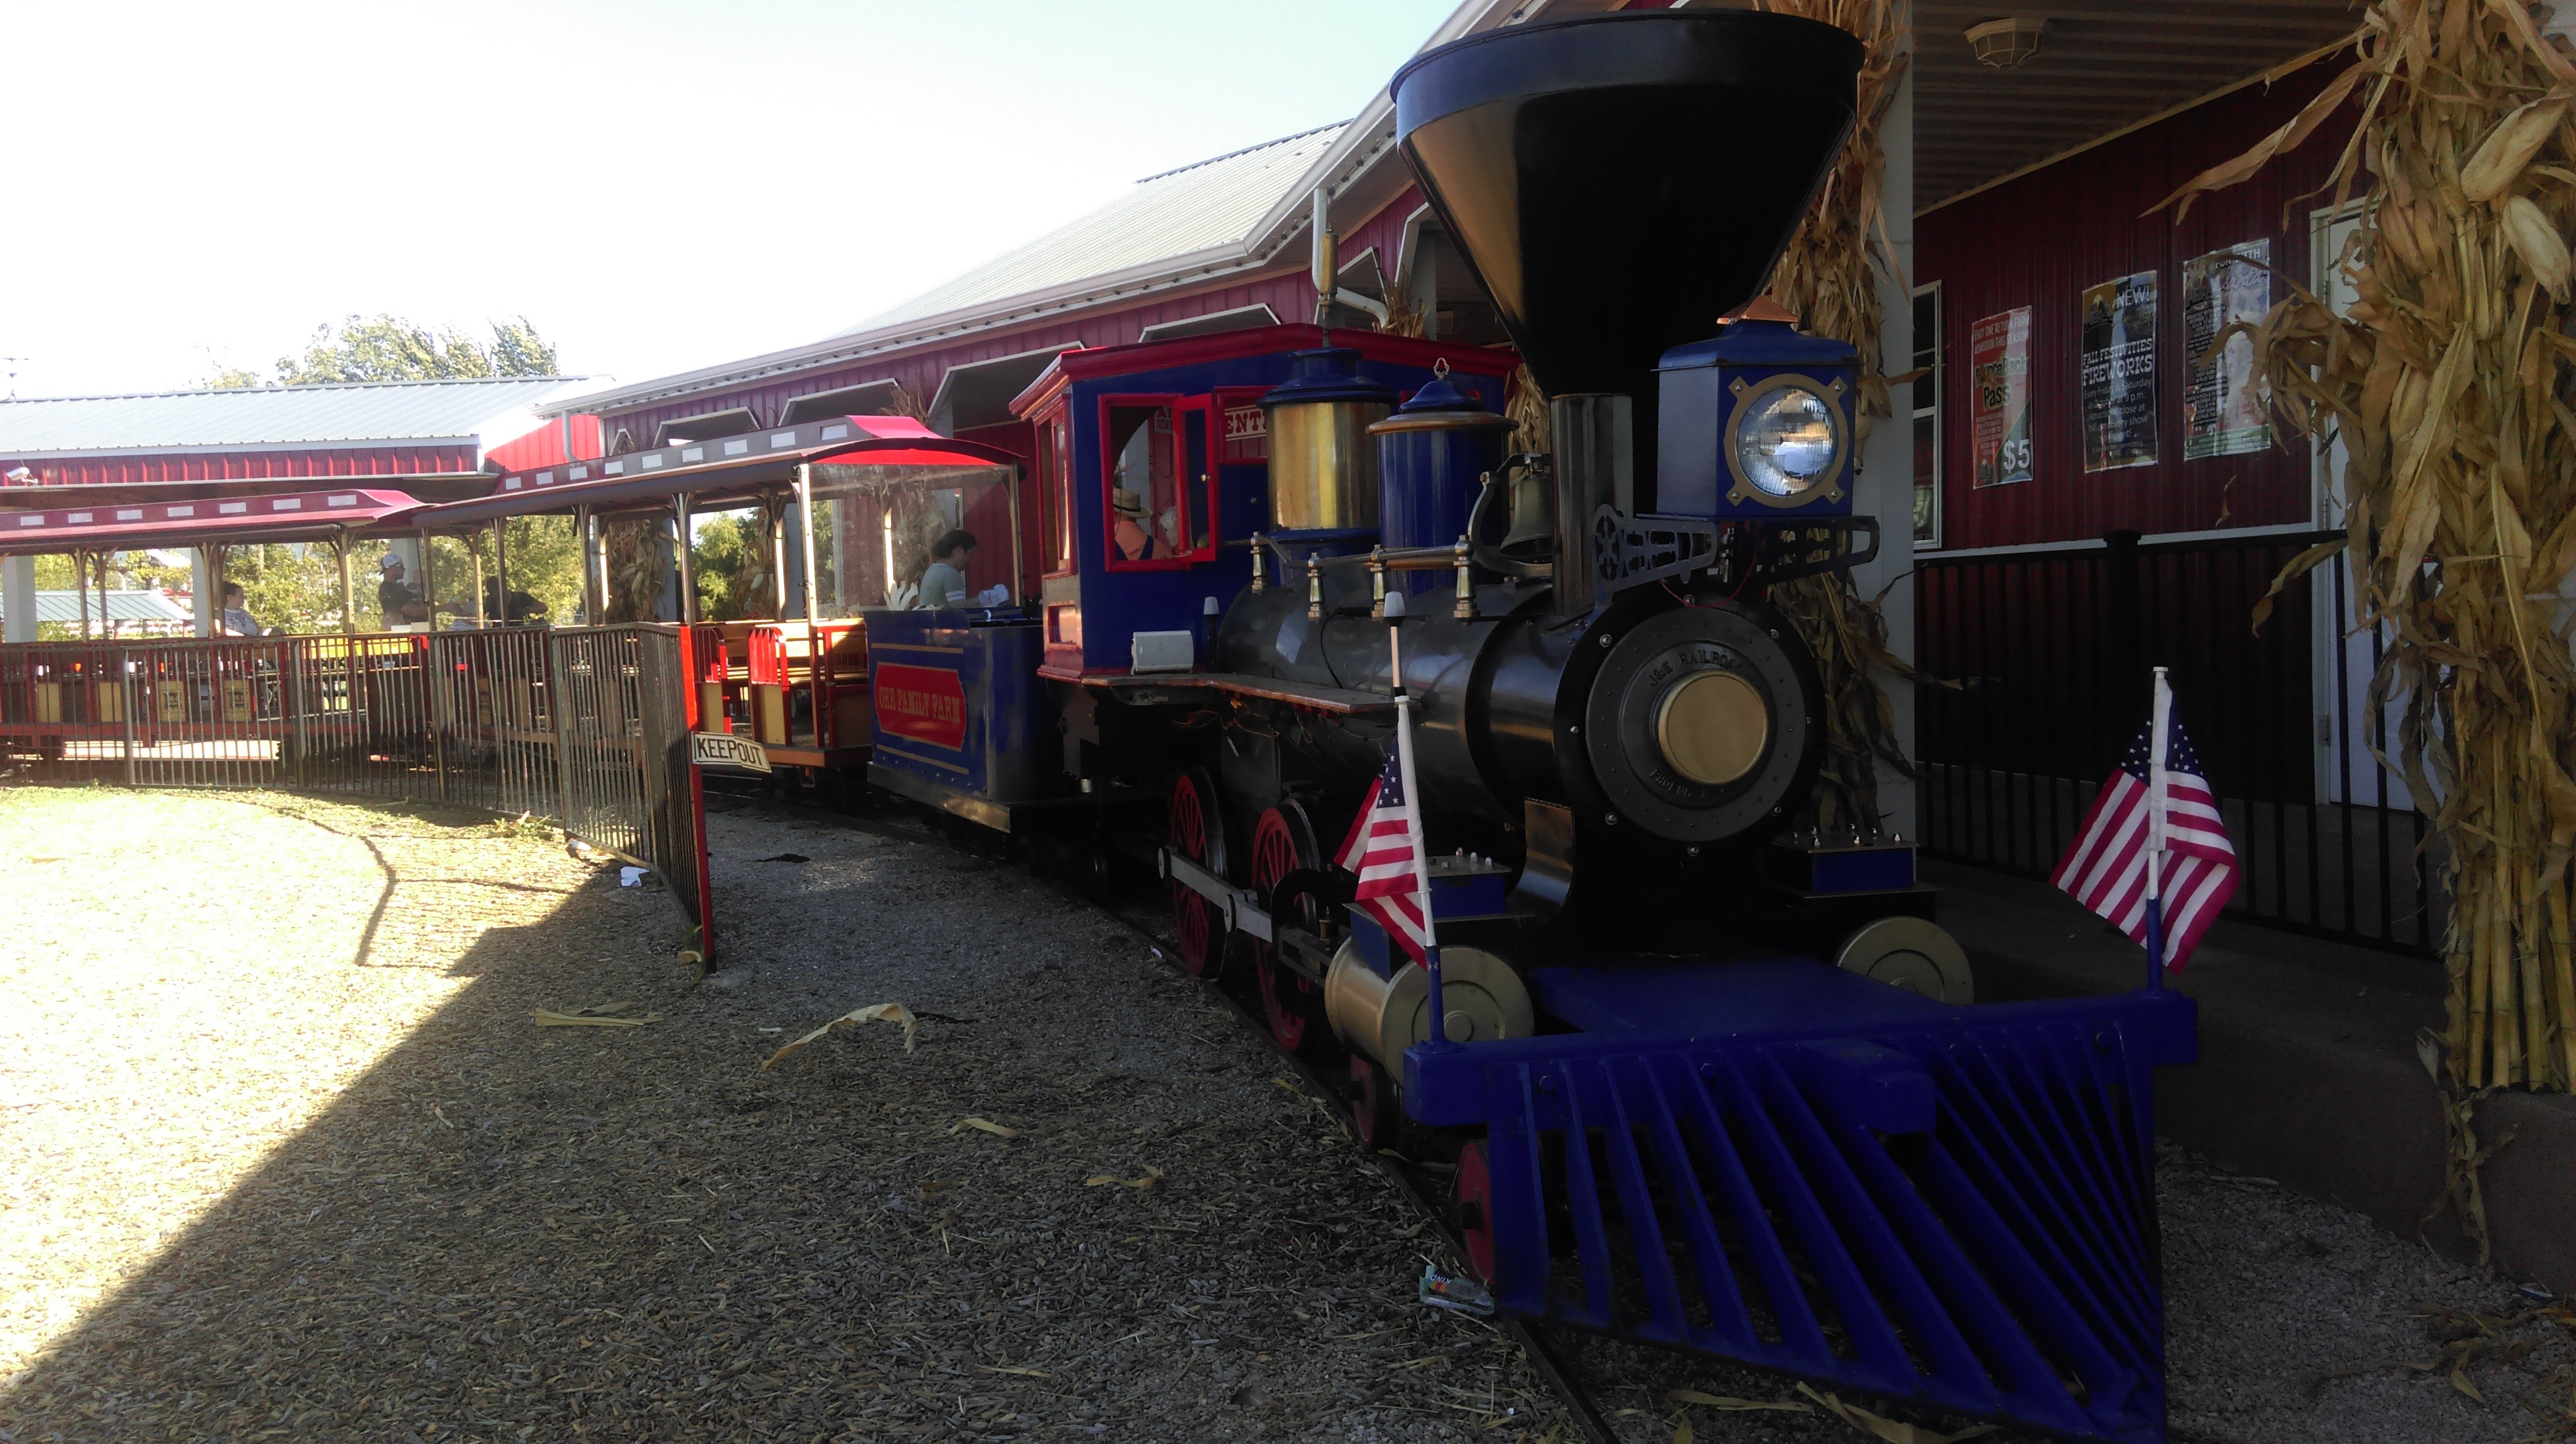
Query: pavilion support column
pixel 816 696
pixel 599 563
pixel 586 540
pixel 805 540
pixel 17 599
pixel 348 587
pixel 501 567
pixel 201 589
pixel 680 555
pixel 428 578
pixel 1885 486
pixel 80 578
pixel 773 519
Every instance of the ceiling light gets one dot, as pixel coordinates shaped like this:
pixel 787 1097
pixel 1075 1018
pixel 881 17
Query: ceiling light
pixel 2006 43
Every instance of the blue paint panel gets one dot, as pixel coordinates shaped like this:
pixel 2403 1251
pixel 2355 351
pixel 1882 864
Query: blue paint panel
pixel 1005 745
pixel 1116 605
pixel 1776 1162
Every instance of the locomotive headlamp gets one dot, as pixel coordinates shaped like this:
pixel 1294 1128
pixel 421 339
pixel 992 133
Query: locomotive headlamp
pixel 1787 442
pixel 1756 422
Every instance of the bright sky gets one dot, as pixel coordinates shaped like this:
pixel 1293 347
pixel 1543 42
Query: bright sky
pixel 656 185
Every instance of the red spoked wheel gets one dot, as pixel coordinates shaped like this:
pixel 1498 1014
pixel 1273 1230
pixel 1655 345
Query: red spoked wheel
pixel 1293 1004
pixel 1472 1196
pixel 1194 831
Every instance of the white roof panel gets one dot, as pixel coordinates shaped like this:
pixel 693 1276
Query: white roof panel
pixel 1177 213
pixel 151 606
pixel 374 413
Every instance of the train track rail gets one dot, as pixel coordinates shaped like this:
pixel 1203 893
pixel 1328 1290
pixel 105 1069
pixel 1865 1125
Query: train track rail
pixel 1544 1354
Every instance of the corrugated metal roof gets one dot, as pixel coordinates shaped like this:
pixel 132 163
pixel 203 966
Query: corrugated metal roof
pixel 367 413
pixel 1176 213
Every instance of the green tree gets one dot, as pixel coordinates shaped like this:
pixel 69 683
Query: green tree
pixel 126 571
pixel 731 568
pixel 292 586
pixel 386 347
pixel 545 562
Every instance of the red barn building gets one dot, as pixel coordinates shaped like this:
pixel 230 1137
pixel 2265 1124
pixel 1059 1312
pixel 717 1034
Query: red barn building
pixel 436 440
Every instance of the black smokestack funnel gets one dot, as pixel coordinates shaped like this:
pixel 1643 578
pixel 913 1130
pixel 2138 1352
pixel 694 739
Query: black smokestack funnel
pixel 1621 181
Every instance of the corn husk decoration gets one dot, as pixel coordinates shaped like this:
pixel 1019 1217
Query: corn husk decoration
pixel 1526 405
pixel 1829 277
pixel 2448 383
pixel 1404 315
pixel 638 563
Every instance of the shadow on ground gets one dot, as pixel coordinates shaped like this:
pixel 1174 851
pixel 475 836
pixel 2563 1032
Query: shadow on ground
pixel 504 1232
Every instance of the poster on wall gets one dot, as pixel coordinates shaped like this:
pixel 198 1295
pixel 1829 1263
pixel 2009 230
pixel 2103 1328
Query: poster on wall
pixel 2222 410
pixel 2118 375
pixel 1999 398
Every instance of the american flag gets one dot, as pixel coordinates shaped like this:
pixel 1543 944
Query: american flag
pixel 1384 851
pixel 2106 869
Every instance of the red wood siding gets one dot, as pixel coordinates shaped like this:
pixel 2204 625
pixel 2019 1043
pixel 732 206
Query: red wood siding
pixel 247 465
pixel 2040 240
pixel 1287 294
pixel 1285 291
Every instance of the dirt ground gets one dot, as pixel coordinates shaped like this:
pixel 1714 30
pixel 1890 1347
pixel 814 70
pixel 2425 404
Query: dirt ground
pixel 287 1156
pixel 284 1154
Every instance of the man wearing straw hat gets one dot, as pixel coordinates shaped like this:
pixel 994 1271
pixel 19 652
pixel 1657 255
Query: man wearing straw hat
pixel 1139 538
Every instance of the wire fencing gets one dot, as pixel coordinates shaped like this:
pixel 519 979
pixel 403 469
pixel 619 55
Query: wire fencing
pixel 585 727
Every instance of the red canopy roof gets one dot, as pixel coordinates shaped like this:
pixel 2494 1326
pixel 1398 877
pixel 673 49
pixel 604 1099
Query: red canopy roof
pixel 295 516
pixel 722 468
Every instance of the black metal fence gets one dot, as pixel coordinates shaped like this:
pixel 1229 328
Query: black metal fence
pixel 2051 652
pixel 584 726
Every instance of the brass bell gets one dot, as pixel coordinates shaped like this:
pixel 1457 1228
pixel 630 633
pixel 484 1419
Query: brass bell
pixel 1533 529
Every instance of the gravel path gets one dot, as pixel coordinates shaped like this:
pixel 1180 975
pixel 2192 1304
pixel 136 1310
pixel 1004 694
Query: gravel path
pixel 283 1154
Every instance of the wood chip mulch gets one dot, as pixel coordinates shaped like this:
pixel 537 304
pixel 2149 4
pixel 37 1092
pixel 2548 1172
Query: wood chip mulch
pixel 286 1155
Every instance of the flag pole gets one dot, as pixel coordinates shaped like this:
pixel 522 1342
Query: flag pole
pixel 2159 738
pixel 1439 1038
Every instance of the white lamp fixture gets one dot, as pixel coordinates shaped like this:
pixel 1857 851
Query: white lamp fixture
pixel 2006 43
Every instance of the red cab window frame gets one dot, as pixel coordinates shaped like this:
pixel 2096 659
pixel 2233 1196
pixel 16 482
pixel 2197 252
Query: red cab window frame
pixel 1053 465
pixel 1193 488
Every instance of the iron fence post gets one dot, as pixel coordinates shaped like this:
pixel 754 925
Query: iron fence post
pixel 2124 646
pixel 559 704
pixel 293 655
pixel 125 689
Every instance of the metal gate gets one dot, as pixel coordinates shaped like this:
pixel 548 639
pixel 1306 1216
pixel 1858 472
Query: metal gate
pixel 585 726
pixel 2043 657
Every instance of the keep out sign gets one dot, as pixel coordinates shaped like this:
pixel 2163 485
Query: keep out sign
pixel 926 704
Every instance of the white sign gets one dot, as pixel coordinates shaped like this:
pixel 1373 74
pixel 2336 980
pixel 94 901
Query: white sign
pixel 724 749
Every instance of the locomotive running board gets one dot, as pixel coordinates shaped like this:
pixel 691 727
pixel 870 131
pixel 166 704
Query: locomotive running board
pixel 1796 1168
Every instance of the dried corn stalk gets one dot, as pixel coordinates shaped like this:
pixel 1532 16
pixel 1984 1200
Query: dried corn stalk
pixel 906 402
pixel 638 566
pixel 1404 315
pixel 1829 277
pixel 2449 386
pixel 1526 405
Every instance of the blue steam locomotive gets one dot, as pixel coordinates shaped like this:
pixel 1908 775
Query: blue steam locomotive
pixel 1716 1086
